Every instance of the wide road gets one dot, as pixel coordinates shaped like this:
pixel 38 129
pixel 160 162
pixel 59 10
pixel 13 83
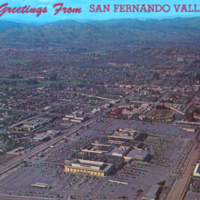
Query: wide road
pixel 192 101
pixel 15 197
pixel 180 186
pixel 13 163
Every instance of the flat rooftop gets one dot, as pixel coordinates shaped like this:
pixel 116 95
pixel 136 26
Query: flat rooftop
pixel 152 194
pixel 88 164
pixel 137 154
pixel 40 137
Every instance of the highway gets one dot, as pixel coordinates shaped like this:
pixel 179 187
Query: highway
pixel 15 162
pixel 179 188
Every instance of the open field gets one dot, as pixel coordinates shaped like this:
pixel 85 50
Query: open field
pixel 161 113
pixel 70 80
pixel 90 108
pixel 6 158
pixel 21 62
pixel 101 53
pixel 110 96
pixel 24 85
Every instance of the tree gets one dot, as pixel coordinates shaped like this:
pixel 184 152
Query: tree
pixel 32 82
pixel 197 76
pixel 5 137
pixel 60 86
pixel 156 76
pixel 62 111
pixel 13 75
pixel 160 107
pixel 53 77
pixel 197 110
pixel 189 115
pixel 53 85
pixel 161 183
pixel 127 100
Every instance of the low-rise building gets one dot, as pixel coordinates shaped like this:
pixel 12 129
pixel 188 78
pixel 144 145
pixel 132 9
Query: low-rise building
pixel 53 133
pixel 196 171
pixel 90 167
pixel 76 118
pixel 121 151
pixel 123 134
pixel 137 155
pixel 41 138
pixel 153 193
pixel 41 185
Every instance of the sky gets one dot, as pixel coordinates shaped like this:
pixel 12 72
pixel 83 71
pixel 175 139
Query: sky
pixel 87 15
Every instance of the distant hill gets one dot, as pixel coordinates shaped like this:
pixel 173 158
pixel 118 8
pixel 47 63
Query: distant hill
pixel 4 25
pixel 110 34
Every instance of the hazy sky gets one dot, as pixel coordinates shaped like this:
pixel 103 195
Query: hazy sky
pixel 85 6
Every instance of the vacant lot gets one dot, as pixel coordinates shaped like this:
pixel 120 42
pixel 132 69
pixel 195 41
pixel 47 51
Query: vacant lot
pixel 110 96
pixel 6 158
pixel 21 62
pixel 161 113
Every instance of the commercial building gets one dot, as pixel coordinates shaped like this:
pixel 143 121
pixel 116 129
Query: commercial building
pixel 123 134
pixel 41 138
pixel 30 127
pixel 115 113
pixel 116 141
pixel 76 118
pixel 30 124
pixel 137 155
pixel 16 151
pixel 189 129
pixel 119 182
pixel 41 185
pixel 188 123
pixel 196 171
pixel 95 168
pixel 153 193
pixel 97 148
pixel 128 153
pixel 121 151
pixel 53 133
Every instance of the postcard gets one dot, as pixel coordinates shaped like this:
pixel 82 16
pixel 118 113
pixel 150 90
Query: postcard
pixel 99 100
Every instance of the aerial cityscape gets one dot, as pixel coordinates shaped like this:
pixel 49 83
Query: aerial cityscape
pixel 100 110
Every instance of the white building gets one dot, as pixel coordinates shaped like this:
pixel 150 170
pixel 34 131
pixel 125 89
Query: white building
pixel 136 155
pixel 40 138
pixel 196 171
pixel 153 193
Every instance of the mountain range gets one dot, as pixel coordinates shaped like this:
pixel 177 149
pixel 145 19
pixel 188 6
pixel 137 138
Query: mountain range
pixel 109 34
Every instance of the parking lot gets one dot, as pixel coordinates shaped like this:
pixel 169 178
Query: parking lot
pixel 168 146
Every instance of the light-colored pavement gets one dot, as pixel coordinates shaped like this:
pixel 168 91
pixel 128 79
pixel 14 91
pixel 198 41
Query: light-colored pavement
pixel 15 197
